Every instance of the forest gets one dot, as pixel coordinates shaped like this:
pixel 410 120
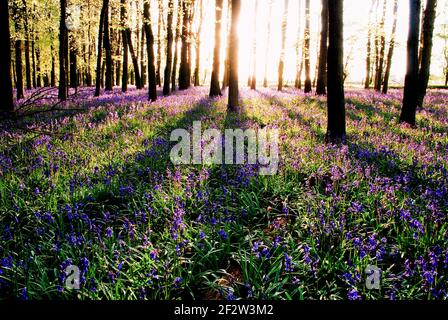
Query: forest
pixel 224 149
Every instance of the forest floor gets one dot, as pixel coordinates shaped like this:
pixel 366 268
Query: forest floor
pixel 98 191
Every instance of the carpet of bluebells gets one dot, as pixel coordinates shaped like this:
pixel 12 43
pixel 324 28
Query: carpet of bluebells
pixel 94 187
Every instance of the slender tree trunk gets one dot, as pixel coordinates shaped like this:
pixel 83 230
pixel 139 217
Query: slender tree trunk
pixel 198 47
pixel 308 86
pixel 73 67
pixel 29 84
pixel 123 17
pixel 299 59
pixel 281 64
pixel 369 47
pixel 152 84
pixel 381 51
pixel 108 52
pixel 268 40
pixel 63 39
pixel 142 56
pixel 53 69
pixel 390 53
pixel 18 51
pixel 159 43
pixel 184 80
pixel 410 95
pixel 425 64
pixel 323 51
pixel 233 57
pixel 176 45
pixel 38 66
pixel 134 59
pixel 6 90
pixel 336 130
pixel 215 89
pixel 103 13
pixel 225 80
pixel 33 58
pixel 169 50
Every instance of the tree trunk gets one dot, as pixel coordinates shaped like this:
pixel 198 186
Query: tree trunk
pixel 425 65
pixel 152 84
pixel 6 91
pixel 18 51
pixel 281 64
pixel 215 89
pixel 27 46
pixel 323 52
pixel 103 13
pixel 308 87
pixel 159 42
pixel 390 53
pixel 233 57
pixel 299 60
pixel 198 47
pixel 184 80
pixel 73 67
pixel 381 51
pixel 410 94
pixel 108 52
pixel 225 80
pixel 123 17
pixel 169 50
pixel 138 82
pixel 176 45
pixel 336 131
pixel 63 40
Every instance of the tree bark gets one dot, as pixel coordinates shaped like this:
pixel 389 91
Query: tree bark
pixel 123 17
pixel 281 64
pixel 169 50
pixel 381 51
pixel 390 53
pixel 103 13
pixel 108 52
pixel 63 40
pixel 198 47
pixel 215 89
pixel 138 81
pixel 225 80
pixel 253 80
pixel 411 81
pixel 184 80
pixel 369 47
pixel 6 91
pixel 323 52
pixel 233 57
pixel 425 64
pixel 336 130
pixel 152 84
pixel 159 42
pixel 176 45
pixel 18 51
pixel 308 87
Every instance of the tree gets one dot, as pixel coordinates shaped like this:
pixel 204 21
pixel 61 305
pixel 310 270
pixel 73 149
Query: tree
pixel 104 11
pixel 323 52
pixel 253 79
pixel 124 79
pixel 159 42
pixel 410 94
pixel 27 43
pixel 184 79
pixel 176 45
pixel 391 50
pixel 215 90
pixel 336 130
pixel 108 52
pixel 6 92
pixel 169 50
pixel 233 57
pixel 299 59
pixel 426 50
pixel 307 47
pixel 281 64
pixel 18 45
pixel 152 84
pixel 197 66
pixel 63 53
pixel 381 51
